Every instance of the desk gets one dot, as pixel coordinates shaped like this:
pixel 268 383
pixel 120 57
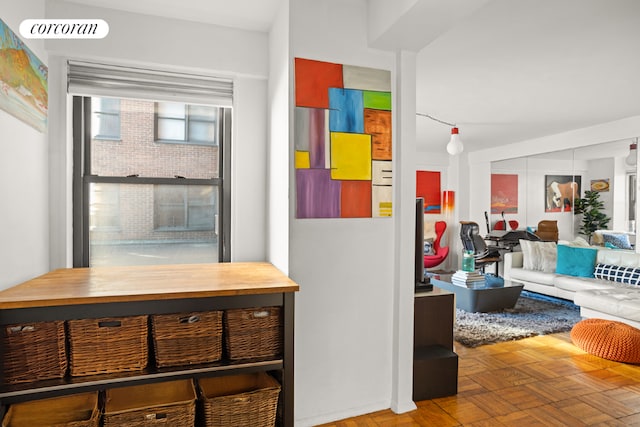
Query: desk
pixel 507 240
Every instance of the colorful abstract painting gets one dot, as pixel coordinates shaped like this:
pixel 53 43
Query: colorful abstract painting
pixel 560 192
pixel 428 187
pixel 504 193
pixel 342 141
pixel 23 81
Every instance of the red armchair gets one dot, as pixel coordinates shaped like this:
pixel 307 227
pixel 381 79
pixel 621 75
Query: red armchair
pixel 440 253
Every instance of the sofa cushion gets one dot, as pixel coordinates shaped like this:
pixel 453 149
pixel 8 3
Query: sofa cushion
pixel 574 284
pixel 624 258
pixel 428 247
pixel 539 256
pixel 576 261
pixel 622 302
pixel 618 273
pixel 533 276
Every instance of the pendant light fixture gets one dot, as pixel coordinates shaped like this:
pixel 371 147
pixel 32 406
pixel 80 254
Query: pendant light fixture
pixel 454 147
pixel 632 158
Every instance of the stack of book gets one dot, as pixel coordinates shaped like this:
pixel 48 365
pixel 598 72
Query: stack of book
pixel 469 279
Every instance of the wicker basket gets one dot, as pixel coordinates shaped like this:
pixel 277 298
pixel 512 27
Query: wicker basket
pixel 107 345
pixel 33 351
pixel 170 403
pixel 77 410
pixel 239 400
pixel 253 332
pixel 187 338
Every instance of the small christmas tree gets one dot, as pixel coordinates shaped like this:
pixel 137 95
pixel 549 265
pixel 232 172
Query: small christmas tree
pixel 592 216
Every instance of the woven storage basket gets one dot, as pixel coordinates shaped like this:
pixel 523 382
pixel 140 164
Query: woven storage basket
pixel 240 400
pixel 187 338
pixel 77 410
pixel 107 345
pixel 253 332
pixel 34 351
pixel 171 404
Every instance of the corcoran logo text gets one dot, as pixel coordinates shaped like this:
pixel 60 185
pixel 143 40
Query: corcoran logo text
pixel 64 28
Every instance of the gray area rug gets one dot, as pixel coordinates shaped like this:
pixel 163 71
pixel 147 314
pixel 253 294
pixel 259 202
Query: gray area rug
pixel 533 314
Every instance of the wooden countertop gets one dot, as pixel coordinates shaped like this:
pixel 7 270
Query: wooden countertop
pixel 71 286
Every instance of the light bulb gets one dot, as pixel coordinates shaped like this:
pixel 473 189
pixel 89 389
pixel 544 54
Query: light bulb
pixel 455 144
pixel 632 158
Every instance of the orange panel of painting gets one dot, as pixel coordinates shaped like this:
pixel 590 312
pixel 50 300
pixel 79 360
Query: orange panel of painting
pixel 313 80
pixel 355 199
pixel 377 123
pixel 428 187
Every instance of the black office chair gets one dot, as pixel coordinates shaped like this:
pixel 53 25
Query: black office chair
pixel 472 241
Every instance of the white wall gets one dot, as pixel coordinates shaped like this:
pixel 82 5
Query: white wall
pixel 24 248
pixel 183 46
pixel 278 154
pixel 345 267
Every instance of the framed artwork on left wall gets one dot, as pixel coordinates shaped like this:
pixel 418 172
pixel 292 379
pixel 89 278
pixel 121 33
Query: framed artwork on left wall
pixel 23 81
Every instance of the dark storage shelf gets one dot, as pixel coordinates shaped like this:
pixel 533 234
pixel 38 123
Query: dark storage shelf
pixel 67 294
pixel 435 364
pixel 58 387
pixel 432 352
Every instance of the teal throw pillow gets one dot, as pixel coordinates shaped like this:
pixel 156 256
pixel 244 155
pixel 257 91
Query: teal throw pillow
pixel 576 261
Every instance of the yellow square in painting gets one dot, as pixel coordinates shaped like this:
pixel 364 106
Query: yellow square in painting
pixel 302 160
pixel 350 156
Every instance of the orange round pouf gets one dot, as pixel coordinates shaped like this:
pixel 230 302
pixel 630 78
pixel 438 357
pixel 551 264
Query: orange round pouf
pixel 608 339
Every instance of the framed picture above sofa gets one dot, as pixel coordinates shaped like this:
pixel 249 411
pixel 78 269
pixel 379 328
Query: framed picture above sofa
pixel 560 192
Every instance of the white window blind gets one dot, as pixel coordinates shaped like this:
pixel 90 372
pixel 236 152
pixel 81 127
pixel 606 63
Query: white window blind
pixel 87 78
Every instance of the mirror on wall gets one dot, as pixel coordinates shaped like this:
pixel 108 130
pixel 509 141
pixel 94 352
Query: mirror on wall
pixel 527 190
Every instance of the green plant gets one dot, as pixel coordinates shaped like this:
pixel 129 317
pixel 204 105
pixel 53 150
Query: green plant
pixel 591 207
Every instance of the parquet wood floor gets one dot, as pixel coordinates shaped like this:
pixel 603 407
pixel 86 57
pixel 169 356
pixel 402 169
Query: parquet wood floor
pixel 539 381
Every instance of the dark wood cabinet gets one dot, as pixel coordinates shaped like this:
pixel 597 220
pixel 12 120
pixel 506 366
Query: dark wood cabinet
pixel 435 364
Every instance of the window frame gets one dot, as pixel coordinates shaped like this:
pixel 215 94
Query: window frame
pixel 83 178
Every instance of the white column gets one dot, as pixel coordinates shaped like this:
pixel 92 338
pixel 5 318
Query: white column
pixel 404 154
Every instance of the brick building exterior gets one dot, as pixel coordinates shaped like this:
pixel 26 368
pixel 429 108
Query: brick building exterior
pixel 127 213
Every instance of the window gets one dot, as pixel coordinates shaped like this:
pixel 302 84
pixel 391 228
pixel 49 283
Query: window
pixel 106 118
pixel 140 202
pixel 161 194
pixel 183 123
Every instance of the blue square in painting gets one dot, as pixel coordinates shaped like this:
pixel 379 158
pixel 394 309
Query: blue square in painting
pixel 346 110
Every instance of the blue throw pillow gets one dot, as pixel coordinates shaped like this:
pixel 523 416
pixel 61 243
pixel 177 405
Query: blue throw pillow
pixel 576 261
pixel 618 273
pixel 619 241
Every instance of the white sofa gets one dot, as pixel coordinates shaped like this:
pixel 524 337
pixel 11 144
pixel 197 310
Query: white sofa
pixel 599 298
